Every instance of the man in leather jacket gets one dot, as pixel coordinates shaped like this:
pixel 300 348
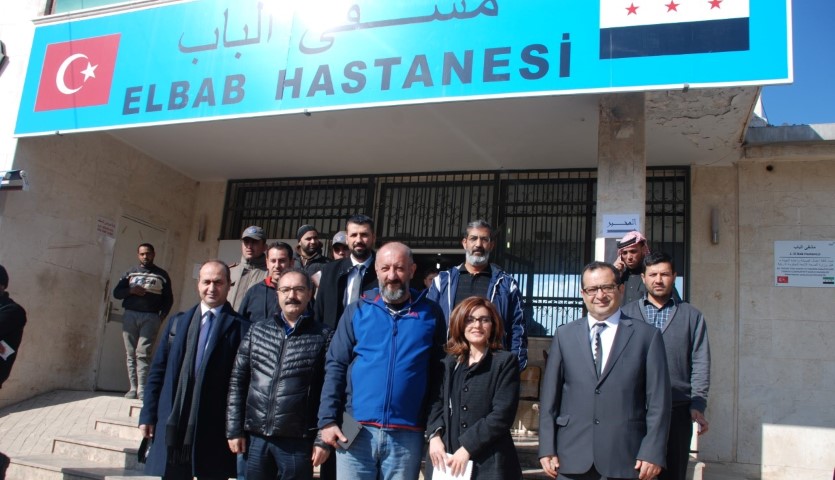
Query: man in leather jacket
pixel 275 388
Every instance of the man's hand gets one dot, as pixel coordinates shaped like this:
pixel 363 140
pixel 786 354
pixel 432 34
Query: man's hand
pixel 647 470
pixel 619 264
pixel 701 421
pixel 237 445
pixel 319 455
pixel 551 465
pixel 147 431
pixel 137 290
pixel 331 433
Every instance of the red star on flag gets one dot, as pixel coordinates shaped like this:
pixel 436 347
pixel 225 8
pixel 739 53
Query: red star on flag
pixel 632 9
pixel 715 4
pixel 672 6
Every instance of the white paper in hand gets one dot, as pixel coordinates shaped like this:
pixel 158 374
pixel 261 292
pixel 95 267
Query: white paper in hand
pixel 447 475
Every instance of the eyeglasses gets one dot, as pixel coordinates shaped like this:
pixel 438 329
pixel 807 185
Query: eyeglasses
pixel 481 320
pixel 475 238
pixel 607 289
pixel 287 290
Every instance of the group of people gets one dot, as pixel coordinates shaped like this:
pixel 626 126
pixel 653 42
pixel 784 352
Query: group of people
pixel 292 360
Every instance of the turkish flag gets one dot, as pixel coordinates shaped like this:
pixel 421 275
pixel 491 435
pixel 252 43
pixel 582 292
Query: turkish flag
pixel 77 73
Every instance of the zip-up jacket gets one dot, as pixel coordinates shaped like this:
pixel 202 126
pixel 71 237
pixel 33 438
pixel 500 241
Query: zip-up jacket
pixel 158 296
pixel 277 380
pixel 503 292
pixel 384 367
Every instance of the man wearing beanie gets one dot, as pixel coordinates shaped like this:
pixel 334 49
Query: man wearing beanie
pixel 308 255
pixel 12 320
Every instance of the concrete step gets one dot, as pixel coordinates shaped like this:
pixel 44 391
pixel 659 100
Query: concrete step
pixel 119 427
pixel 56 467
pixel 534 474
pixel 527 447
pixel 135 409
pixel 98 447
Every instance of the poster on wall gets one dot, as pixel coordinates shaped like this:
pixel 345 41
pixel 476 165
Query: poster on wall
pixel 804 263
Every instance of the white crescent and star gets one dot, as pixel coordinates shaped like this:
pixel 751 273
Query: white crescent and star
pixel 88 72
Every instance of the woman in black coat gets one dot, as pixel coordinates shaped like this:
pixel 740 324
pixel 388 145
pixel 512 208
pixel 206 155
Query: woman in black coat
pixel 472 417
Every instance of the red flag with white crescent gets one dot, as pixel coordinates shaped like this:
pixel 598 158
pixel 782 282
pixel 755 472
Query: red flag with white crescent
pixel 77 73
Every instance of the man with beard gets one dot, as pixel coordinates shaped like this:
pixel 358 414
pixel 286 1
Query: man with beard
pixel 684 332
pixel 343 281
pixel 478 277
pixel 145 291
pixel 309 251
pixel 632 249
pixel 253 265
pixel 260 301
pixel 391 341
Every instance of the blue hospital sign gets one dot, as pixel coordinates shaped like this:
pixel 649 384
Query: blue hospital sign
pixel 212 59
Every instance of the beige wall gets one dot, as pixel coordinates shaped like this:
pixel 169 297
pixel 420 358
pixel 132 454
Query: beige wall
pixel 773 348
pixel 208 215
pixel 59 264
pixel 786 335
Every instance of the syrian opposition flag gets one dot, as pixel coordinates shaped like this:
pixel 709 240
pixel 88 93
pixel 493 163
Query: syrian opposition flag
pixel 77 73
pixel 645 28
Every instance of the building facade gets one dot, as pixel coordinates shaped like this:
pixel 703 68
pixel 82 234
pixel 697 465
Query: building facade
pixel 546 168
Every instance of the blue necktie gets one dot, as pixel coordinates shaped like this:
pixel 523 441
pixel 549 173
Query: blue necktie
pixel 205 328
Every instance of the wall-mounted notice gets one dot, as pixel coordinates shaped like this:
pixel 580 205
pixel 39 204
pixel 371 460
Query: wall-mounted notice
pixel 804 263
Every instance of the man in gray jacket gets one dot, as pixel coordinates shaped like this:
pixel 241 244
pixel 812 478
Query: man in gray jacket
pixel 688 356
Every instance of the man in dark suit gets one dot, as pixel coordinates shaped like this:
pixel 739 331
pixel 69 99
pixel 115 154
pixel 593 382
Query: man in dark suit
pixel 605 401
pixel 343 281
pixel 185 398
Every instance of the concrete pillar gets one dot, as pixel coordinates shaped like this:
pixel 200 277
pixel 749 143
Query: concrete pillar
pixel 621 164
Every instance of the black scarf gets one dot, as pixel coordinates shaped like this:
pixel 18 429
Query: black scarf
pixel 179 433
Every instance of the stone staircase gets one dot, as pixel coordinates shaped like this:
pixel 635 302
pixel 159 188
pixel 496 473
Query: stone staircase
pixel 109 452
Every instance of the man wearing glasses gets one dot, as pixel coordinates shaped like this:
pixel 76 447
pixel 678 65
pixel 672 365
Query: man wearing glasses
pixel 275 386
pixel 605 400
pixel 478 277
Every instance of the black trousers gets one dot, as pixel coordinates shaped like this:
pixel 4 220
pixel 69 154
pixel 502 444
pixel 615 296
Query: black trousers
pixel 183 472
pixel 592 474
pixel 678 444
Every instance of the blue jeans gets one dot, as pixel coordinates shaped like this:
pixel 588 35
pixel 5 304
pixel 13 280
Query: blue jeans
pixel 269 458
pixel 383 454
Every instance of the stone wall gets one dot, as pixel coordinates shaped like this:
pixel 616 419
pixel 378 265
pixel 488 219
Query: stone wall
pixel 59 264
pixel 713 290
pixel 786 419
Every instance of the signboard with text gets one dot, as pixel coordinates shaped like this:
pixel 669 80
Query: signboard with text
pixel 804 263
pixel 210 59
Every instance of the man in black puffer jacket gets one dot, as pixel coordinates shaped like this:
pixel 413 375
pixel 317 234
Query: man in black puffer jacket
pixel 275 387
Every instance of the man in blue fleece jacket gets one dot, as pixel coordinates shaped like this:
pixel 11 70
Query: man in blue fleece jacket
pixel 382 369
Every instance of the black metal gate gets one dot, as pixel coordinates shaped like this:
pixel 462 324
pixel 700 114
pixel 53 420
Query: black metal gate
pixel 545 220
